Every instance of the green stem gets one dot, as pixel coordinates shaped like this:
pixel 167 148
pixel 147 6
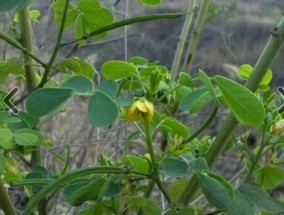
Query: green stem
pixel 53 186
pixel 57 46
pixel 202 127
pixel 126 22
pixel 198 27
pixel 258 155
pixel 183 38
pixel 19 46
pixel 265 60
pixel 149 143
pixel 5 201
pixel 28 44
pixel 155 173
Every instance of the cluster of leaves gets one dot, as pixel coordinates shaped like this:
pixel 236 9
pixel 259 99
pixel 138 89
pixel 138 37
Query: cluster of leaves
pixel 118 186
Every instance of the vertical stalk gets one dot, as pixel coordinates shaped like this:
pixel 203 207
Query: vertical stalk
pixel 28 43
pixel 182 38
pixel 258 155
pixel 198 27
pixel 155 173
pixel 5 201
pixel 57 46
pixel 263 63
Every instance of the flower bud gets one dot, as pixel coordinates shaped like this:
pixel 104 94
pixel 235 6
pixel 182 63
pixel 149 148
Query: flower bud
pixel 277 128
pixel 148 157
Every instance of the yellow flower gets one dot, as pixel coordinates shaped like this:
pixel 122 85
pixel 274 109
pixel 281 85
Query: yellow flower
pixel 140 110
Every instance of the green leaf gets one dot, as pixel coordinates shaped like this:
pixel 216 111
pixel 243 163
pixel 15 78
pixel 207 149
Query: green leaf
pixel 72 187
pixel 13 66
pixel 261 198
pixel 28 137
pixel 25 139
pixel 102 110
pixel 6 139
pixel 187 101
pixel 26 121
pixel 174 126
pixel 185 80
pixel 200 164
pixel 2 164
pixel 244 104
pixel 245 71
pixel 6 117
pixel 216 190
pixel 11 4
pixel 45 100
pixel 89 21
pixel 138 61
pixel 94 209
pixel 269 176
pixel 200 102
pixel 148 72
pixel 117 70
pixel 124 102
pixel 88 192
pixel 240 206
pixel 80 84
pixel 136 163
pixel 33 15
pixel 173 167
pixel 147 205
pixel 151 2
pixel 207 82
pixel 176 188
pixel 78 67
pixel 109 87
pixel 72 13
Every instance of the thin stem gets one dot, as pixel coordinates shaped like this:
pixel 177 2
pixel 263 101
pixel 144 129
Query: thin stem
pixel 149 143
pixel 5 201
pixel 265 60
pixel 19 46
pixel 155 174
pixel 258 155
pixel 183 37
pixel 126 22
pixel 202 127
pixel 57 46
pixel 198 27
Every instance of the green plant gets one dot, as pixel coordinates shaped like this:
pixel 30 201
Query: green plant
pixel 147 96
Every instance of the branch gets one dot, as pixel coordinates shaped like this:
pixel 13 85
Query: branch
pixel 125 22
pixel 5 201
pixel 57 46
pixel 19 46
